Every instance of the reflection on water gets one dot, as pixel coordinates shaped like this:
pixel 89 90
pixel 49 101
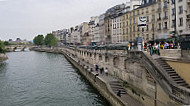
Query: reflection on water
pixel 44 79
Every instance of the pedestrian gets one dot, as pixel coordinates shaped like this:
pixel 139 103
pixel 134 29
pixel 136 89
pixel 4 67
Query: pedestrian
pixel 119 92
pixel 101 70
pixel 91 70
pixel 96 68
pixel 106 71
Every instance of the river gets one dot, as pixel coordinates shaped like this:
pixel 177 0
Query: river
pixel 44 79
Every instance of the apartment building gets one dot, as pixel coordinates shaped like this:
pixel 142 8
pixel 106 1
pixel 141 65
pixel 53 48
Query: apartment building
pixel 68 36
pixel 93 29
pixel 157 25
pixel 60 35
pixel 101 28
pixel 75 35
pixel 188 15
pixel 116 36
pixel 83 33
pixel 179 16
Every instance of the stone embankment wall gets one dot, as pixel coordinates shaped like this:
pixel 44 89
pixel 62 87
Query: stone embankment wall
pixel 126 66
pixel 170 53
pixel 186 53
pixel 3 57
pixel 103 87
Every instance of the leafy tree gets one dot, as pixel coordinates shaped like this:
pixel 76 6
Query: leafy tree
pixel 2 47
pixel 6 43
pixel 39 40
pixel 50 40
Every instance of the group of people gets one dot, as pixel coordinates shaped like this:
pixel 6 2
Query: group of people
pixel 96 67
pixel 155 48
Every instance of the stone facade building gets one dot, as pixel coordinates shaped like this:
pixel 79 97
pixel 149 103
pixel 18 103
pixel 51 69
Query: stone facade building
pixel 93 29
pixel 84 32
pixel 157 26
pixel 116 30
pixel 179 17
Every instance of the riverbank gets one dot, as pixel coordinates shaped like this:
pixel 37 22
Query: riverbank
pixel 3 57
pixel 104 84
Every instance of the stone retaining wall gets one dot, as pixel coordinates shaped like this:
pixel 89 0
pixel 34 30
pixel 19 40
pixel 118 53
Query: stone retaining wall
pixel 170 53
pixel 3 57
pixel 104 88
pixel 100 84
pixel 186 54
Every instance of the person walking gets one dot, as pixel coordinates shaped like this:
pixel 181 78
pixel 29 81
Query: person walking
pixel 119 92
pixel 101 70
pixel 96 68
pixel 106 71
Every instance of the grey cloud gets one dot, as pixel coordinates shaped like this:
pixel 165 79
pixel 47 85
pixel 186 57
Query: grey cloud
pixel 27 18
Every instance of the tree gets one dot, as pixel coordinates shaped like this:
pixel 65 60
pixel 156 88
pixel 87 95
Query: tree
pixel 2 47
pixel 6 43
pixel 50 40
pixel 39 40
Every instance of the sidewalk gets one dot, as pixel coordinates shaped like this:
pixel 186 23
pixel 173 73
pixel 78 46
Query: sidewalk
pixel 109 79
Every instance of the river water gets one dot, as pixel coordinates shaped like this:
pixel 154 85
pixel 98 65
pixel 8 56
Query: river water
pixel 44 79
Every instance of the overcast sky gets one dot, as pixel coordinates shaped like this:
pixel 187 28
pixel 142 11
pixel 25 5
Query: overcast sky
pixel 28 18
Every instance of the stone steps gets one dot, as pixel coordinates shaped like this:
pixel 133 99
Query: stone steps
pixel 115 85
pixel 172 73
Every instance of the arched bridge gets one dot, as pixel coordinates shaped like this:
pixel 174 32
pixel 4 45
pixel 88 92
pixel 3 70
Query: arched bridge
pixel 13 48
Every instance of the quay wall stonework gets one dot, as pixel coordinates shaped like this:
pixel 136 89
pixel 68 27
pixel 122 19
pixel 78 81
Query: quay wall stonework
pixel 3 57
pixel 126 66
pixel 170 53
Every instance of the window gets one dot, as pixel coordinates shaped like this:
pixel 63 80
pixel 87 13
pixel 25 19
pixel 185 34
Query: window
pixel 173 1
pixel 133 20
pixel 159 6
pixel 153 18
pixel 159 16
pixel 147 37
pixel 180 0
pixel 134 28
pixel 159 26
pixel 165 15
pixel 147 27
pixel 173 23
pixel 165 4
pixel 173 11
pixel 180 21
pixel 180 9
pixel 165 25
pixel 127 30
pixel 137 12
pixel 133 13
pixel 147 19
